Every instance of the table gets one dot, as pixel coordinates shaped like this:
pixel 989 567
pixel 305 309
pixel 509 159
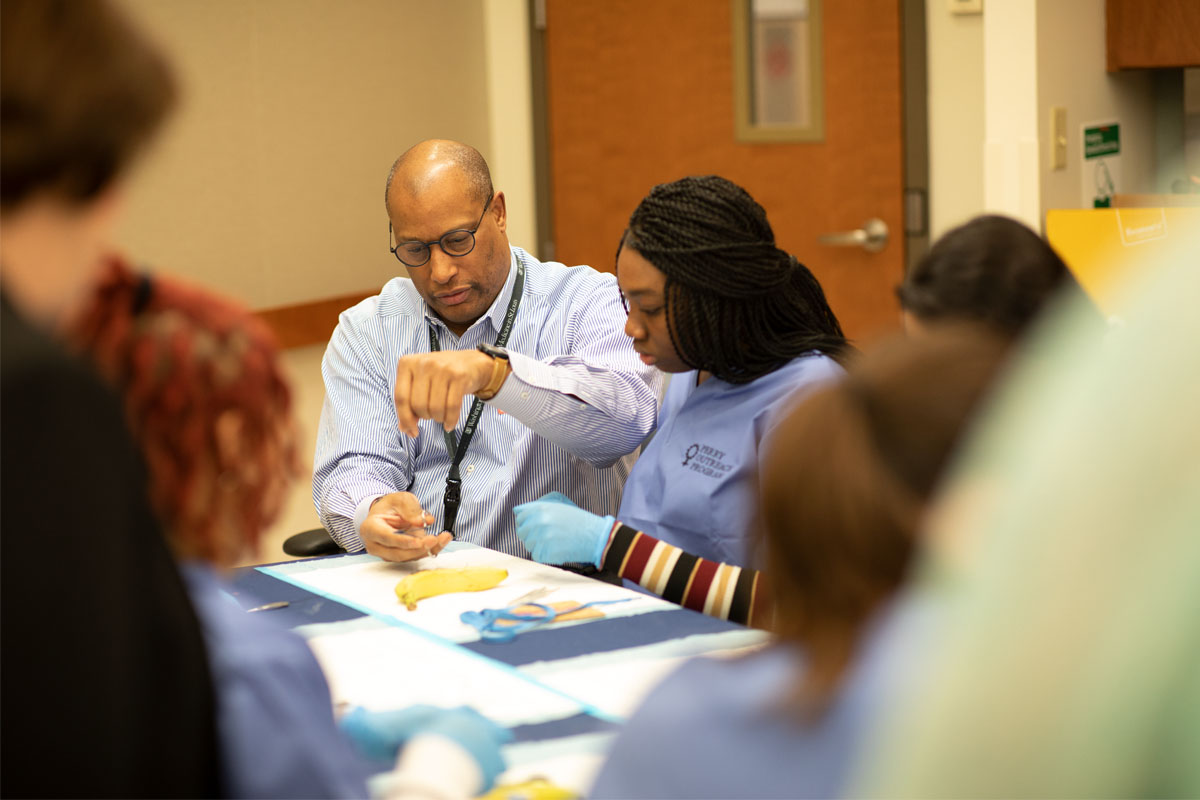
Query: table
pixel 562 689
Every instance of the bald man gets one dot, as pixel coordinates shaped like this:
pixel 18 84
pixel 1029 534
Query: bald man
pixel 482 380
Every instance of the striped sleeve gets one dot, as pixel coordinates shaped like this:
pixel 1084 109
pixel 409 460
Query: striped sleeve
pixel 726 591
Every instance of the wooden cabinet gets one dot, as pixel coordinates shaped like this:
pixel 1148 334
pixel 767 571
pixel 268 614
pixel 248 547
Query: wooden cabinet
pixel 1152 33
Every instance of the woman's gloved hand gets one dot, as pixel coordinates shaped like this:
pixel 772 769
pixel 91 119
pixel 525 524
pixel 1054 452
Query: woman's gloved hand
pixel 558 532
pixel 557 497
pixel 476 734
pixel 379 735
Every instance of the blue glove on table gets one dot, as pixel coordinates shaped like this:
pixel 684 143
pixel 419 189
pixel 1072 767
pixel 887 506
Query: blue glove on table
pixel 378 735
pixel 557 533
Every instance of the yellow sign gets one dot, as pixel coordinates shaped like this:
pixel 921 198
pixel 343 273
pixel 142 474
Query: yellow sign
pixel 1103 246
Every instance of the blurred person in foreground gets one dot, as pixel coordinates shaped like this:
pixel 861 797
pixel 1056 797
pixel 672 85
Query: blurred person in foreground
pixel 787 721
pixel 106 689
pixel 1065 555
pixel 206 398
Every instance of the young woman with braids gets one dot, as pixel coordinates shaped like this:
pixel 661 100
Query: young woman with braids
pixel 746 328
pixel 789 720
pixel 206 399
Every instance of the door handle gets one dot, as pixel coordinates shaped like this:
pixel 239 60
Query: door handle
pixel 872 236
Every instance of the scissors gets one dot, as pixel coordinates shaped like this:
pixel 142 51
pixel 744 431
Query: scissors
pixel 487 621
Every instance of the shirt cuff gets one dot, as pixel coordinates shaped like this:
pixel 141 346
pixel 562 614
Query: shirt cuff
pixel 362 510
pixel 538 390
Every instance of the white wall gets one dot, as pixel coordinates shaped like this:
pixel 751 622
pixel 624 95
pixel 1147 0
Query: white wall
pixel 1010 81
pixel 1071 73
pixel 992 81
pixel 510 115
pixel 954 45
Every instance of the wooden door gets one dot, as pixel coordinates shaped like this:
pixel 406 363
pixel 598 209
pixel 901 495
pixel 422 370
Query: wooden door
pixel 641 91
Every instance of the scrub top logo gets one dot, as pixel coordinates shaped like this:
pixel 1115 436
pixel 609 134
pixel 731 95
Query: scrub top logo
pixel 705 460
pixel 690 454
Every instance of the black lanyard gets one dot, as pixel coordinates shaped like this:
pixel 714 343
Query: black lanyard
pixel 458 448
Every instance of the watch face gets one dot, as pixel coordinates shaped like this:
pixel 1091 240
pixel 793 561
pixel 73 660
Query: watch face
pixel 493 351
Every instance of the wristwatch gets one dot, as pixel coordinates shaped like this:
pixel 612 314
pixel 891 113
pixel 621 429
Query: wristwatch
pixel 500 367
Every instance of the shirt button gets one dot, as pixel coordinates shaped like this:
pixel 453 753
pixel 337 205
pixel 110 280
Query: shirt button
pixel 470 467
pixel 524 395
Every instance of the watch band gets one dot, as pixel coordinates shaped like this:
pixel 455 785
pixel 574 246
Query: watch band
pixel 500 365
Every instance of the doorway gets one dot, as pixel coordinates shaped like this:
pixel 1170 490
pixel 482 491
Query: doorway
pixel 637 93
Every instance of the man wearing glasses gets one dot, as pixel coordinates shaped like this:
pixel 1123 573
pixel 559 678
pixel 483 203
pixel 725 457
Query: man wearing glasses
pixel 486 379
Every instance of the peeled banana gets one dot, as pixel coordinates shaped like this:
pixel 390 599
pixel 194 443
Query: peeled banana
pixel 431 582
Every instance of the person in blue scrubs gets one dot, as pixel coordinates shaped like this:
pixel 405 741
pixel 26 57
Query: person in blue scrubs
pixel 205 395
pixel 791 720
pixel 746 330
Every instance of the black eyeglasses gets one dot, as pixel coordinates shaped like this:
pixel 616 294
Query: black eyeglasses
pixel 455 244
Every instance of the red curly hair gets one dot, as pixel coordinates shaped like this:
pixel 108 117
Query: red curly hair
pixel 182 357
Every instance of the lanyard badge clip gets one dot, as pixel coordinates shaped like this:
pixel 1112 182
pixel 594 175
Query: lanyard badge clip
pixel 450 500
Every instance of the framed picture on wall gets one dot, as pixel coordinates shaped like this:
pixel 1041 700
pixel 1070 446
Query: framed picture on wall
pixel 778 65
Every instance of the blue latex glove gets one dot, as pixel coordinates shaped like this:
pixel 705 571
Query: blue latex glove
pixel 378 735
pixel 557 497
pixel 556 533
pixel 476 734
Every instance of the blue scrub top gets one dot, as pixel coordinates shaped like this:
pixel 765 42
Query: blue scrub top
pixel 722 727
pixel 274 714
pixel 693 487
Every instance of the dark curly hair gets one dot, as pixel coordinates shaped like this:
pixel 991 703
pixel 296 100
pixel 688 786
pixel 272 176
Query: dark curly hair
pixel 737 306
pixel 992 270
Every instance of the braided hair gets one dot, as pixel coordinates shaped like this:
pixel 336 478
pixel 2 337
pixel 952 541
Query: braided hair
pixel 737 306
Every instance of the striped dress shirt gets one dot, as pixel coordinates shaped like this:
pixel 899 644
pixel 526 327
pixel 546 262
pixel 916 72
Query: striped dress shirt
pixel 577 404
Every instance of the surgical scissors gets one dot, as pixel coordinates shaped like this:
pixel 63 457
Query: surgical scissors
pixel 487 621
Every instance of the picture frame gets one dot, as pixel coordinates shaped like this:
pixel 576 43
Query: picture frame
pixel 778 71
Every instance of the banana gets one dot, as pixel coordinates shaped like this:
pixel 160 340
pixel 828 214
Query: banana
pixel 431 582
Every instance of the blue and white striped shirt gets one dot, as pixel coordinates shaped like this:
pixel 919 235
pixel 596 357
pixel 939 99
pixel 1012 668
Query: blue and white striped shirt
pixel 578 403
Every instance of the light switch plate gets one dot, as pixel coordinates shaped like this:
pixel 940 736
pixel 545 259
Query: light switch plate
pixel 1058 137
pixel 966 6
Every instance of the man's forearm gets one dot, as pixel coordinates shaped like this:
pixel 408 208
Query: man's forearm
pixel 343 493
pixel 596 414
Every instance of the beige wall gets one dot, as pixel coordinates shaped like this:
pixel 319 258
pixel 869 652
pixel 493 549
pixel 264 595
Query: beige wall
pixel 954 45
pixel 1071 73
pixel 510 91
pixel 268 184
pixel 1010 78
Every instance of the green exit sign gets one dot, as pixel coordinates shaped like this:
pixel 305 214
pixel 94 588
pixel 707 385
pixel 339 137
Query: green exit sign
pixel 1101 140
